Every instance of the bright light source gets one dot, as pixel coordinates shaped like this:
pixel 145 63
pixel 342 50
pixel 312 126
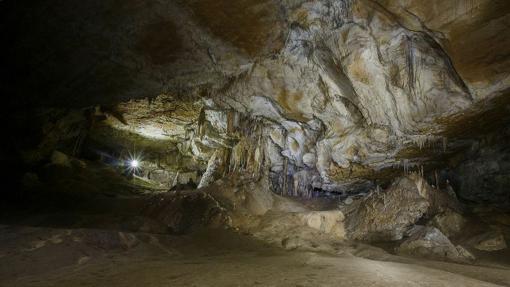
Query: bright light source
pixel 134 163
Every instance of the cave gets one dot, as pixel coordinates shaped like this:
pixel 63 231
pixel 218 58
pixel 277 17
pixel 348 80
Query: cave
pixel 255 143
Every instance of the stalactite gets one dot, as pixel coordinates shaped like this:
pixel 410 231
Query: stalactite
pixel 230 122
pixel 436 178
pixel 226 160
pixel 426 141
pixel 201 121
pixel 176 178
pixel 405 164
pixel 285 170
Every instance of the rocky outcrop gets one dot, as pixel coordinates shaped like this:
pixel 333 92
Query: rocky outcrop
pixel 482 174
pixel 386 215
pixel 429 242
pixel 255 210
pixel 329 222
pixel 185 211
pixel 450 223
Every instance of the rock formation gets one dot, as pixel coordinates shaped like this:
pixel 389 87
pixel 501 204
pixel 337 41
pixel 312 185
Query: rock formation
pixel 345 94
pixel 430 242
pixel 317 125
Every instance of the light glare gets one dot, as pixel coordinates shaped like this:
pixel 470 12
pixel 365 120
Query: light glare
pixel 134 163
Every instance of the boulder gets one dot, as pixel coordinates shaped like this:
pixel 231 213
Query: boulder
pixel 464 253
pixel 329 222
pixel 489 241
pixel 387 215
pixel 60 158
pixel 185 211
pixel 450 223
pixel 429 242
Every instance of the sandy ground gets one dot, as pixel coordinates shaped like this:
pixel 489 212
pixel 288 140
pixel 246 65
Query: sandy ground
pixel 87 257
pixel 97 234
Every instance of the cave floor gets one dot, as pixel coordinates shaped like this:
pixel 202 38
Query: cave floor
pixel 40 256
pixel 89 233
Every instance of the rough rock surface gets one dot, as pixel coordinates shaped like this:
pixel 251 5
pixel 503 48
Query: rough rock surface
pixel 254 209
pixel 489 241
pixel 330 222
pixel 347 91
pixel 386 215
pixel 450 223
pixel 429 242
pixel 483 174
pixel 185 211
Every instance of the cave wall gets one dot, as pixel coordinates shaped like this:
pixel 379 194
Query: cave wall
pixel 342 94
pixel 482 175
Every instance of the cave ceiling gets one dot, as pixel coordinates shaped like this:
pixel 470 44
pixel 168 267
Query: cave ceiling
pixel 348 87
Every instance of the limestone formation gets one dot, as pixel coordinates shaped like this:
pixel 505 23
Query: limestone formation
pixel 352 92
pixel 308 125
pixel 329 222
pixel 388 214
pixel 429 242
